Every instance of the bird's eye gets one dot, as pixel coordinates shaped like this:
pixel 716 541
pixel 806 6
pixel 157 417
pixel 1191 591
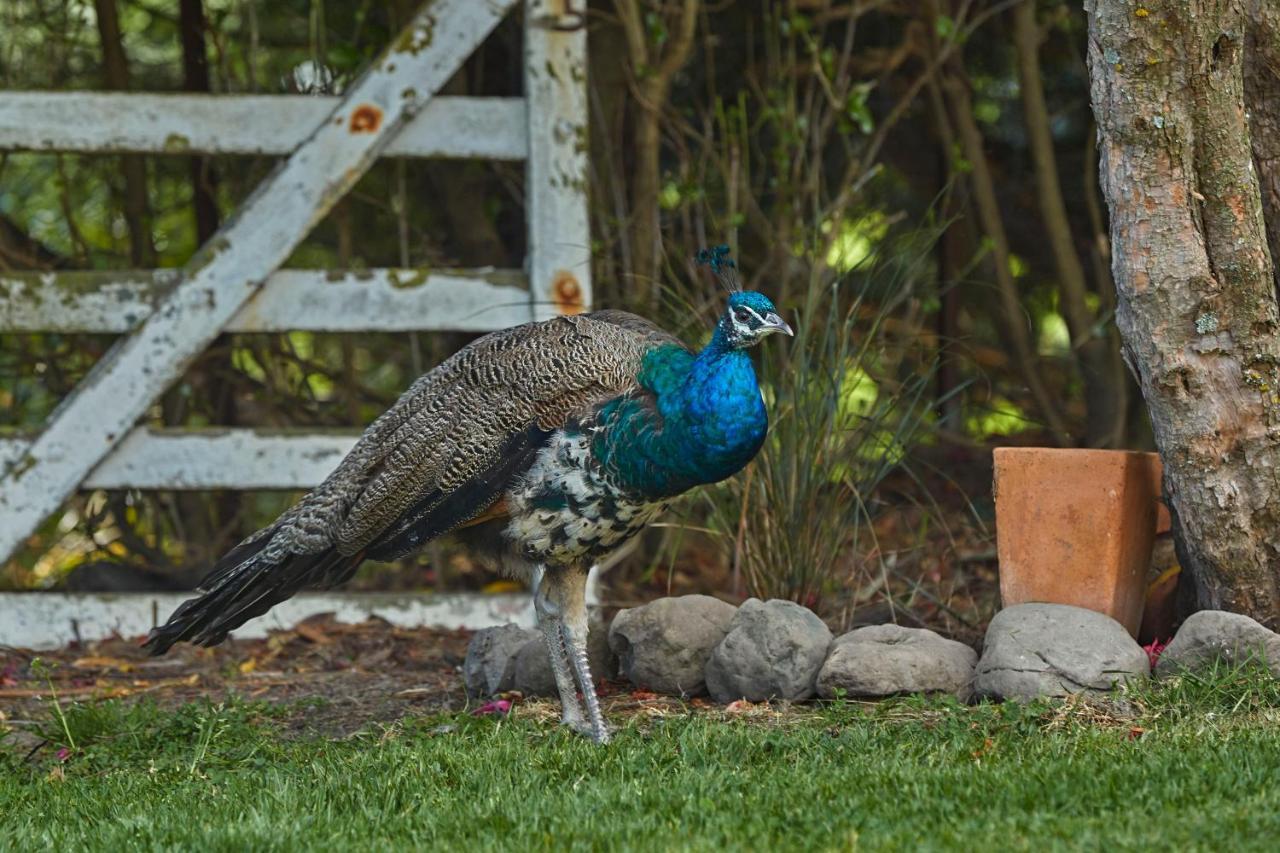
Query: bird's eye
pixel 741 315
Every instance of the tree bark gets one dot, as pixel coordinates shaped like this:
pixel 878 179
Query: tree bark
pixel 1095 352
pixel 1194 279
pixel 1262 105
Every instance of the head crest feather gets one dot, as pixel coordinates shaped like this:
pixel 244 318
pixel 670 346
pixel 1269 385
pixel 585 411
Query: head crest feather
pixel 725 269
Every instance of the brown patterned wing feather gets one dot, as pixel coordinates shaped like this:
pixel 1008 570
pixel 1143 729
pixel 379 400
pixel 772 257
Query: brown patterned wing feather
pixel 452 425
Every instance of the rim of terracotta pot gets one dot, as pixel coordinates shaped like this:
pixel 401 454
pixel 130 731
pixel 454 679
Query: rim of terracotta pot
pixel 1070 450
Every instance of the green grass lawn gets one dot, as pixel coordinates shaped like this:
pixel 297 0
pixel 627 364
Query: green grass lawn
pixel 1193 764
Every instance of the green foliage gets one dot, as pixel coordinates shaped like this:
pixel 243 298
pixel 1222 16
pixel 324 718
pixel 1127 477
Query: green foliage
pixel 1170 772
pixel 847 401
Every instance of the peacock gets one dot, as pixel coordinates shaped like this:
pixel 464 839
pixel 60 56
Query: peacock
pixel 571 434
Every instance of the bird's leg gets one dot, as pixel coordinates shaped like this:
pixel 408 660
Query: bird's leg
pixel 549 609
pixel 561 592
pixel 576 638
pixel 566 588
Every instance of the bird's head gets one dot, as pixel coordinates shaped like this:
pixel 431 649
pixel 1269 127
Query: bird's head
pixel 750 316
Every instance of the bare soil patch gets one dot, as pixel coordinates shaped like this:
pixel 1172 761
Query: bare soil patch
pixel 330 679
pixel 337 677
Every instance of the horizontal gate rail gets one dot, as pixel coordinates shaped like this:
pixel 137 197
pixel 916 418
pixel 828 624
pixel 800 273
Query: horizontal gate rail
pixel 217 458
pixel 378 300
pixel 122 122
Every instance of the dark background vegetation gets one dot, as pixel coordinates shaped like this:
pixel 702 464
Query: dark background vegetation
pixel 914 182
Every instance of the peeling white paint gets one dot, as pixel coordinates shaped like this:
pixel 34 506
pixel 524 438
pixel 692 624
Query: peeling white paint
pixel 479 128
pixel 555 76
pixel 50 620
pixel 221 459
pixel 384 300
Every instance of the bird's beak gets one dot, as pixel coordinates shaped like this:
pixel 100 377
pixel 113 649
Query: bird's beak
pixel 774 323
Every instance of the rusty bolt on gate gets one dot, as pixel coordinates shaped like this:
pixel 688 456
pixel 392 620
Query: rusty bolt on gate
pixel 566 292
pixel 366 119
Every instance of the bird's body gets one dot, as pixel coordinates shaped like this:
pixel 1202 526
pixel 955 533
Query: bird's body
pixel 573 433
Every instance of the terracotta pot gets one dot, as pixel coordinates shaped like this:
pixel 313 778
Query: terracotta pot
pixel 1076 527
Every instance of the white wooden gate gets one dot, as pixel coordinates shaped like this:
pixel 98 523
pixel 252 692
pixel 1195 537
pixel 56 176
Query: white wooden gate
pixel 234 284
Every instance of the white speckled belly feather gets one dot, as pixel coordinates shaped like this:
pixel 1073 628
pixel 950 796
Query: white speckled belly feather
pixel 566 512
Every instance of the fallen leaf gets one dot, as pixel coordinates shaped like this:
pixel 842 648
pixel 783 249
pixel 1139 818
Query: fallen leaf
pixel 98 662
pixel 414 691
pixel 643 695
pixel 739 706
pixel 313 634
pixel 248 666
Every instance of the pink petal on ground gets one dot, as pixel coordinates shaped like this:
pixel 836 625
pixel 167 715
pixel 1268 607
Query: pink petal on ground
pixel 1153 650
pixel 497 706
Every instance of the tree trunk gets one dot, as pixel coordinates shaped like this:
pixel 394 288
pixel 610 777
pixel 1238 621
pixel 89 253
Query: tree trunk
pixel 1196 298
pixel 115 74
pixel 195 78
pixel 653 70
pixel 1262 106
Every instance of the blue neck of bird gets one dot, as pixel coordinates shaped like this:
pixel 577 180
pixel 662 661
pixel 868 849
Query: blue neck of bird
pixel 710 421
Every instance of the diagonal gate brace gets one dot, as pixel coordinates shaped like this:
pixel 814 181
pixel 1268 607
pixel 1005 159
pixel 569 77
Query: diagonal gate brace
pixel 238 259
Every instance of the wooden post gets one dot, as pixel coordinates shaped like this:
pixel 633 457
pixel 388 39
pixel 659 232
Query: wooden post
pixel 555 68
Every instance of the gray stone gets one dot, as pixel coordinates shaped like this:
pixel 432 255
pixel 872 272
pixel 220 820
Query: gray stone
pixel 664 645
pixel 773 650
pixel 1053 650
pixel 533 676
pixel 1212 636
pixel 490 665
pixel 885 660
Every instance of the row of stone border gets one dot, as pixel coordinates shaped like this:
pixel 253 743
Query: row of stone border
pixel 696 645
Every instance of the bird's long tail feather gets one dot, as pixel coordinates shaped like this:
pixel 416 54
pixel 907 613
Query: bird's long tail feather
pixel 244 584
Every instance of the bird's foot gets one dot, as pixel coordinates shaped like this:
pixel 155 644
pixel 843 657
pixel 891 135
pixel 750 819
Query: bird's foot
pixel 571 716
pixel 600 735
